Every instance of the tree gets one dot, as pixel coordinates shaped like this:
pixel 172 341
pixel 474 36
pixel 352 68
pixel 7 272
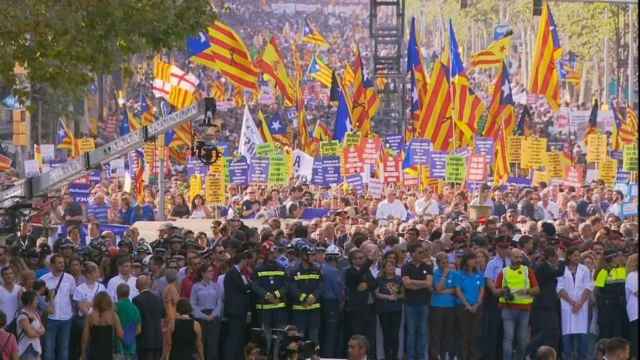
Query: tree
pixel 64 44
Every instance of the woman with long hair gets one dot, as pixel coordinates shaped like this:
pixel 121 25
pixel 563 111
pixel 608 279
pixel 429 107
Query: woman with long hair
pixel 29 327
pixel 101 324
pixel 389 294
pixel 199 210
pixel 180 209
pixel 185 334
pixel 470 291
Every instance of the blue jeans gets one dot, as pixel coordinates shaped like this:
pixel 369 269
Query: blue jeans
pixel 416 318
pixel 575 344
pixel 515 323
pixel 56 340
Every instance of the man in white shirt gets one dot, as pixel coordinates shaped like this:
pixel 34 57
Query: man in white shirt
pixel 61 287
pixel 9 293
pixel 550 208
pixel 391 208
pixel 427 204
pixel 124 277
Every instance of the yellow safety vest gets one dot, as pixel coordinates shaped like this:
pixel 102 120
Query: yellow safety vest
pixel 516 280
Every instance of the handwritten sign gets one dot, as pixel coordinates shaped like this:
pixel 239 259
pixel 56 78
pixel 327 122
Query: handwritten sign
pixel 455 169
pixel 596 148
pixel 630 157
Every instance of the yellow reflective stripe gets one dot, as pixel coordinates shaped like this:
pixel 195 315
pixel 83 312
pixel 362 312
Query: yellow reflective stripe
pixel 277 293
pixel 307 277
pixel 270 306
pixel 303 296
pixel 306 307
pixel 270 273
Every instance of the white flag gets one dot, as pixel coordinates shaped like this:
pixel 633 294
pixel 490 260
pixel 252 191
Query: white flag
pixel 183 79
pixel 161 88
pixel 250 137
pixel 302 164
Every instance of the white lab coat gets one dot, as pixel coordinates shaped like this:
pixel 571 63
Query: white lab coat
pixel 577 323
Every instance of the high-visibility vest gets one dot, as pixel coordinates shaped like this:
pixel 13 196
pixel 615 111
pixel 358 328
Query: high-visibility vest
pixel 516 280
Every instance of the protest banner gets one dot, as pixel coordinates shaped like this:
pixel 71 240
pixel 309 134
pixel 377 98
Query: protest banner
pixel 540 176
pixel 533 152
pixel 391 167
pixel 265 150
pixel 259 170
pixel 86 144
pixel 352 160
pixel 331 170
pixel 438 165
pixel 484 146
pixel 239 171
pixel 317 172
pixel 376 188
pixel 596 148
pixel 477 168
pixel 302 164
pixel 355 182
pixel 329 148
pixel 352 139
pixel 630 157
pixel 421 151
pixel 215 192
pixel 370 149
pixel 553 165
pixel 514 146
pixel 278 170
pixel 393 143
pixel 455 171
pixel 608 170
pixel 80 192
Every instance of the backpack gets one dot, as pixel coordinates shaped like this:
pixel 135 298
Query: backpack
pixel 12 327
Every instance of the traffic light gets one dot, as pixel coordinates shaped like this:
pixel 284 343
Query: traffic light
pixel 464 4
pixel 537 7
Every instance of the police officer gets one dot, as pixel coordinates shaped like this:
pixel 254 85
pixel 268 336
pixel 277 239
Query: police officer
pixel 610 295
pixel 332 300
pixel 305 290
pixel 270 288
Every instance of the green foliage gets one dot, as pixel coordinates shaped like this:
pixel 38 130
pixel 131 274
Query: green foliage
pixel 582 27
pixel 63 44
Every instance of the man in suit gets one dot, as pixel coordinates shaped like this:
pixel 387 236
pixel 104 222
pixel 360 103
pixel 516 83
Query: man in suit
pixel 236 305
pixel 151 313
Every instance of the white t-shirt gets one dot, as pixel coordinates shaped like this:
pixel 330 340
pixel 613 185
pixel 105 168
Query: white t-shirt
pixel 395 209
pixel 427 207
pixel 631 291
pixel 86 293
pixel 24 341
pixel 112 287
pixel 9 301
pixel 62 302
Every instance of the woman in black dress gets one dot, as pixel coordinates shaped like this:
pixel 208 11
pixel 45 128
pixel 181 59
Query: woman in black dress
pixel 186 334
pixel 102 323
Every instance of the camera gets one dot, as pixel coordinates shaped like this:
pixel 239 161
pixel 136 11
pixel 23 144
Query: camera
pixel 508 295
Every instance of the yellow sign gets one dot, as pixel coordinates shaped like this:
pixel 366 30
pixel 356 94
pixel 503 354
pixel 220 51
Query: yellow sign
pixel 630 157
pixel 352 139
pixel 540 176
pixel 215 189
pixel 329 148
pixel 533 152
pixel 86 145
pixel 20 127
pixel 150 153
pixel 596 148
pixel 554 166
pixel 217 167
pixel 195 186
pixel 608 169
pixel 514 146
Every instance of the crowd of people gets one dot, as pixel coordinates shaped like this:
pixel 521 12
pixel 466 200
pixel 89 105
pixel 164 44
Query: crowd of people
pixel 552 269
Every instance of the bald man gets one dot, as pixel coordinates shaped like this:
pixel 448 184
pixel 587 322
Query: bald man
pixel 151 313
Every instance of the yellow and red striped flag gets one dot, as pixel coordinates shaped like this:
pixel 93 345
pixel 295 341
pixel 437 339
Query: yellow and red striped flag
pixel 628 132
pixel 229 55
pixel 545 74
pixel 311 36
pixel 218 90
pixel 434 121
pixel 272 65
pixel 501 110
pixel 501 169
pixel 180 97
pixel 493 55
